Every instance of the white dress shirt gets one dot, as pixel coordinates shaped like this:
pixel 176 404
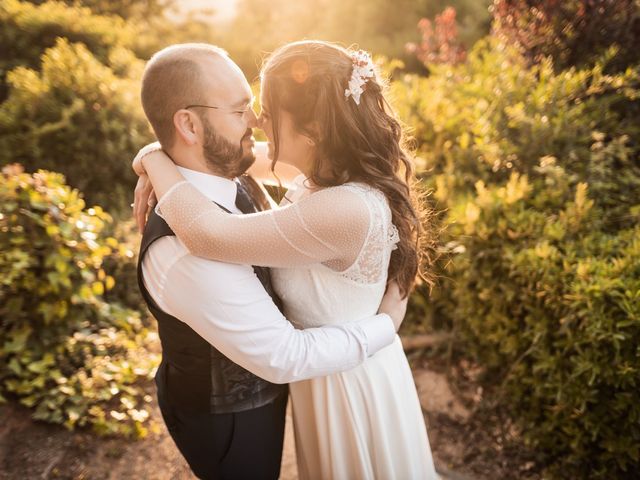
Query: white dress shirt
pixel 227 305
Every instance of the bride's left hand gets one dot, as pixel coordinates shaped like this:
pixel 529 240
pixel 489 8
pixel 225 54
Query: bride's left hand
pixel 144 201
pixel 137 165
pixel 394 304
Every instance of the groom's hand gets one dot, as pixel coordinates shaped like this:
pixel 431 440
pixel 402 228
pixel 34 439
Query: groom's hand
pixel 393 304
pixel 144 200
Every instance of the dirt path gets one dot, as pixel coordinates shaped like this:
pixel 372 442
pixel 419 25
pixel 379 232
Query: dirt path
pixel 33 450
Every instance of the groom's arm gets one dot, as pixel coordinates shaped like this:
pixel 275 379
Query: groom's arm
pixel 227 305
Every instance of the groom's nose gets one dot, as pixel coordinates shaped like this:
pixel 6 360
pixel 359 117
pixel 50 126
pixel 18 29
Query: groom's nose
pixel 252 120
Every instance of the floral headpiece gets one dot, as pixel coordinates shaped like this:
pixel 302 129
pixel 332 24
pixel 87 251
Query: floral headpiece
pixel 363 70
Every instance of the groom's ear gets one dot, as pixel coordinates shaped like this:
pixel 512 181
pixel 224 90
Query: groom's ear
pixel 187 126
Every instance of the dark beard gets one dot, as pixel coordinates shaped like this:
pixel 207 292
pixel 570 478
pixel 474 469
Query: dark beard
pixel 224 158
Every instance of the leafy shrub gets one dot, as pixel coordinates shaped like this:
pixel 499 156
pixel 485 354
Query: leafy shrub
pixel 551 305
pixel 64 351
pixel 439 43
pixel 86 125
pixel 27 30
pixel 122 8
pixel 494 115
pixel 573 32
pixel 537 173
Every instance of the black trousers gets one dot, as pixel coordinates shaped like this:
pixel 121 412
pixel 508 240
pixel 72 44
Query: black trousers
pixel 231 446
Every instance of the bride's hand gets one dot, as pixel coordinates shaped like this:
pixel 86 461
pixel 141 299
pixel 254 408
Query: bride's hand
pixel 137 165
pixel 144 201
pixel 393 304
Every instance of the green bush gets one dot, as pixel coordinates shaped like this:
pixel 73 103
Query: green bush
pixel 123 8
pixel 537 175
pixel 573 32
pixel 27 30
pixel 86 125
pixel 64 351
pixel 494 115
pixel 550 304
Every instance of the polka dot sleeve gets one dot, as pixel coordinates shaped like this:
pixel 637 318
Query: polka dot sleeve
pixel 329 226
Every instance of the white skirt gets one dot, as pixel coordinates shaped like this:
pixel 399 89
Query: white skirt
pixel 365 423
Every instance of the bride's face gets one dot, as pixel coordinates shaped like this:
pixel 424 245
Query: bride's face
pixel 294 148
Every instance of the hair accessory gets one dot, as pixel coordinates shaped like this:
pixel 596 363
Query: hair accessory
pixel 363 70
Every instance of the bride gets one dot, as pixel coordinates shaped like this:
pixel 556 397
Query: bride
pixel 349 227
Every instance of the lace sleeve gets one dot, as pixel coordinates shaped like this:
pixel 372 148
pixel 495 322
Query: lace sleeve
pixel 372 263
pixel 329 226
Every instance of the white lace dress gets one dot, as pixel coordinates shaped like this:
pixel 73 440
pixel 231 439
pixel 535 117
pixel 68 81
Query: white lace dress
pixel 365 423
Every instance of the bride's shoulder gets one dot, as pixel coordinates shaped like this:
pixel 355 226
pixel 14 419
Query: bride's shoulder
pixel 356 192
pixel 341 203
pixel 367 192
pixel 358 197
pixel 356 187
pixel 368 200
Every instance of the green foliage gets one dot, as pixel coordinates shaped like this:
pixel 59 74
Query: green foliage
pixel 87 125
pixel 64 351
pixel 69 87
pixel 473 16
pixel 537 175
pixel 137 9
pixel 27 30
pixel 495 115
pixel 573 32
pixel 551 305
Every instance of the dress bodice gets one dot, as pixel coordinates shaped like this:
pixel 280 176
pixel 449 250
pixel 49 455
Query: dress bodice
pixel 315 295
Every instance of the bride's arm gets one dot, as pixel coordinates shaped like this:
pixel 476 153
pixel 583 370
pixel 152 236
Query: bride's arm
pixel 328 226
pixel 260 170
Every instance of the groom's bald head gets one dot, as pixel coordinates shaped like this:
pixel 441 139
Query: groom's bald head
pixel 173 79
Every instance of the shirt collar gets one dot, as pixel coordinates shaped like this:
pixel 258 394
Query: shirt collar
pixel 217 189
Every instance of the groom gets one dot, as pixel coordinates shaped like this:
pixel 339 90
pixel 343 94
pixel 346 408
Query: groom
pixel 228 352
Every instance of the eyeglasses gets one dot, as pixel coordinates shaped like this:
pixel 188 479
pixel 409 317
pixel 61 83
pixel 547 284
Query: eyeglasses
pixel 240 111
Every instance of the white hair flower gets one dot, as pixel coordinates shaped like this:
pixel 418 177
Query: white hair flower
pixel 363 70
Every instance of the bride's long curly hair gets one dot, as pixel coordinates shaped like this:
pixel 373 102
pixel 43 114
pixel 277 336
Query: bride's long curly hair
pixel 362 143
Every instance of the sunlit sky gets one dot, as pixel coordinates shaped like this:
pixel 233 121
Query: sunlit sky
pixel 225 9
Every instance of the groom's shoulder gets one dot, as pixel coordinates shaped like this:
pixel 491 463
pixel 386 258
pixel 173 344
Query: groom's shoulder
pixel 154 229
pixel 164 248
pixel 156 225
pixel 169 260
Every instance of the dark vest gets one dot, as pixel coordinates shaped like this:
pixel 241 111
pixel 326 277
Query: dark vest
pixel 197 376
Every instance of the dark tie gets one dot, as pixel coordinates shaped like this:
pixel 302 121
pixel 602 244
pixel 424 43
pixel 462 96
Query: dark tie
pixel 243 200
pixel 245 205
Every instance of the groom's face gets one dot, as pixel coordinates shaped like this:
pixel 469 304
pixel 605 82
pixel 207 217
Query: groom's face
pixel 227 141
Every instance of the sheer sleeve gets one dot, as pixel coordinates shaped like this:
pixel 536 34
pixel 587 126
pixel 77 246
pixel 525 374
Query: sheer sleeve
pixel 329 226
